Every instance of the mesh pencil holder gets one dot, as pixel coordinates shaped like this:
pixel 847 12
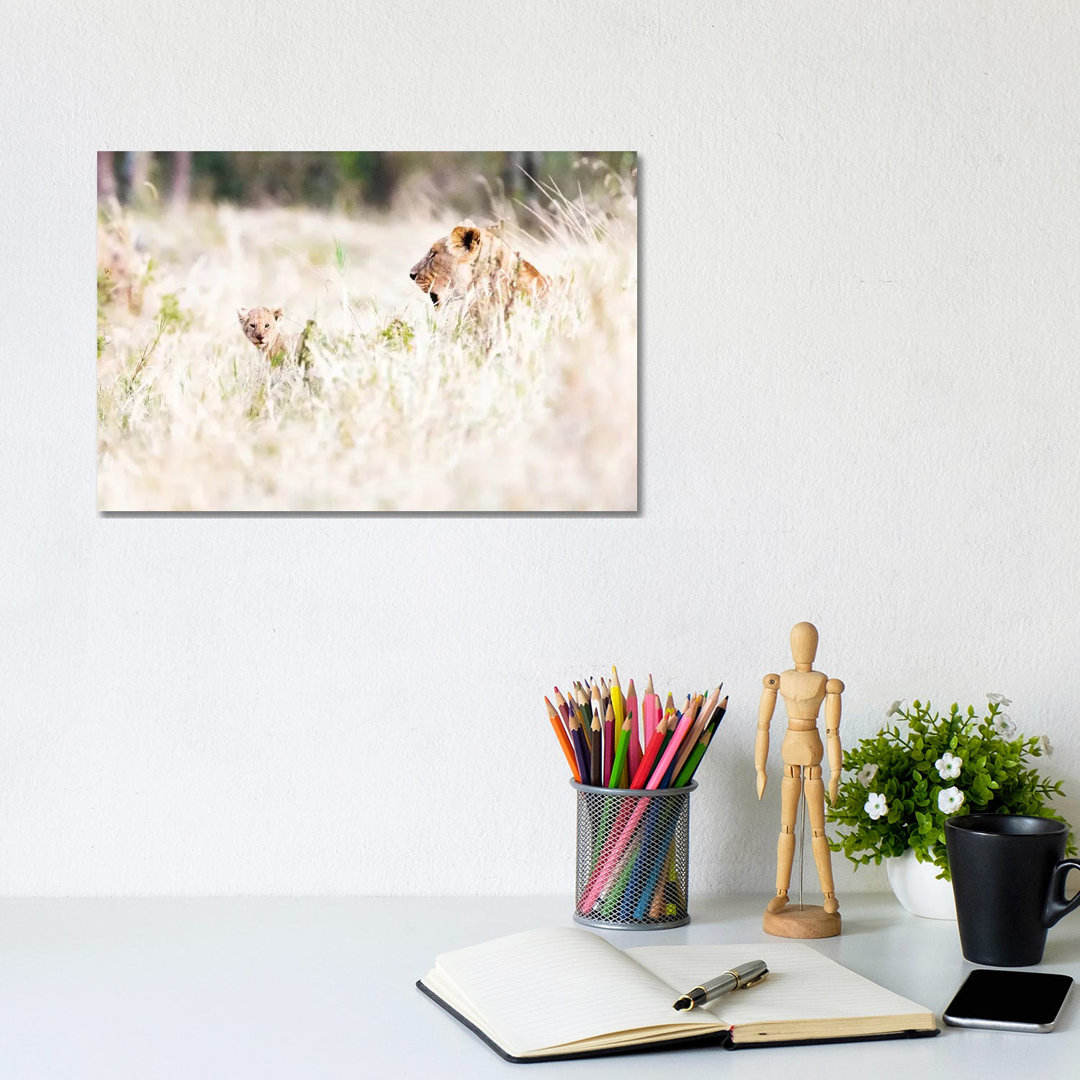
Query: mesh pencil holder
pixel 633 857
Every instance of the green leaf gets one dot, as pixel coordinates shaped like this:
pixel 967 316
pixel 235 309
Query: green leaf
pixel 994 778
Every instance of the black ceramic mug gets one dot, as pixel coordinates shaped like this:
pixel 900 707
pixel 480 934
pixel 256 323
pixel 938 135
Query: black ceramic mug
pixel 1008 877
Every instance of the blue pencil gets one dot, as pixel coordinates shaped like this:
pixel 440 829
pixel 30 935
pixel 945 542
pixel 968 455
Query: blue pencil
pixel 668 834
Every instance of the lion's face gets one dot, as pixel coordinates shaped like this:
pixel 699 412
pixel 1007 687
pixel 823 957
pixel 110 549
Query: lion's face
pixel 446 271
pixel 259 324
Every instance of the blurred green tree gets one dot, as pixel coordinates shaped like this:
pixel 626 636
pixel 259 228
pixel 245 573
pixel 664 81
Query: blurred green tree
pixel 469 181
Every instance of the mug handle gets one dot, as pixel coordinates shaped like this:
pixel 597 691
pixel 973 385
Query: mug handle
pixel 1056 904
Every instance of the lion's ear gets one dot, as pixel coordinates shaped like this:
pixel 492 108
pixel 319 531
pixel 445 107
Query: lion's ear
pixel 241 314
pixel 466 236
pixel 278 313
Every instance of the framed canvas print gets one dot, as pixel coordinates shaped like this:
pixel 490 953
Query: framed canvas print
pixel 367 332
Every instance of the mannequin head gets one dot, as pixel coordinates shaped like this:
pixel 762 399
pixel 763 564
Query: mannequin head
pixel 804 640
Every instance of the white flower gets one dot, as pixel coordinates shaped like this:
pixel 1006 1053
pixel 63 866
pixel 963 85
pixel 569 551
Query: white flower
pixel 1047 748
pixel 948 766
pixel 895 709
pixel 1003 725
pixel 876 806
pixel 998 699
pixel 866 774
pixel 950 800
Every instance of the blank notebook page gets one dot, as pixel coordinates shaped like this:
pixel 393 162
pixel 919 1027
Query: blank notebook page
pixel 577 986
pixel 802 984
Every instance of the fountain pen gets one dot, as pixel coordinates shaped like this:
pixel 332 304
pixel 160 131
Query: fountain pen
pixel 738 978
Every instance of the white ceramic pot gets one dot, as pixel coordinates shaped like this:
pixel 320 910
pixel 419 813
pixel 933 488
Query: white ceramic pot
pixel 917 886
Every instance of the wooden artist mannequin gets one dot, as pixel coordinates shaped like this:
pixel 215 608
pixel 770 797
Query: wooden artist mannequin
pixel 803 691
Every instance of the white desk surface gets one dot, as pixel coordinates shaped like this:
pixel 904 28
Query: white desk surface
pixel 321 988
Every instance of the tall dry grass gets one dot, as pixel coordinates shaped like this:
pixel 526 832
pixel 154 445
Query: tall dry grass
pixel 403 408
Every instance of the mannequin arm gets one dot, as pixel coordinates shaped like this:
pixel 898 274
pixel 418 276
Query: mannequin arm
pixel 833 689
pixel 765 712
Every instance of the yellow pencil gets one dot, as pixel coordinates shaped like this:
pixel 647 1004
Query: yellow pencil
pixel 617 703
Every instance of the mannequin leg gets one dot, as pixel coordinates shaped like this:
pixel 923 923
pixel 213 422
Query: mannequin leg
pixel 790 790
pixel 815 804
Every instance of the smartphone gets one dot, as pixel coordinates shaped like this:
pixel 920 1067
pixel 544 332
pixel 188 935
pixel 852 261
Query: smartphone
pixel 1013 1000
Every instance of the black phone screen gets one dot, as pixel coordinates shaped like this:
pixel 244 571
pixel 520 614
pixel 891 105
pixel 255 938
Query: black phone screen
pixel 1009 998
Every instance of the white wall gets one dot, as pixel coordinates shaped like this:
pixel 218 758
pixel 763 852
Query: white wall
pixel 858 380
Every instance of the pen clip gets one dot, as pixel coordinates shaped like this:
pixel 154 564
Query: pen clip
pixel 754 981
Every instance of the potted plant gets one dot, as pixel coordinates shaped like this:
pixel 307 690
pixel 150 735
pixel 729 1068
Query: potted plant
pixel 899 787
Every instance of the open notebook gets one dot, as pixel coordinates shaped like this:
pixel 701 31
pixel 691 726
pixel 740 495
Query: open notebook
pixel 563 992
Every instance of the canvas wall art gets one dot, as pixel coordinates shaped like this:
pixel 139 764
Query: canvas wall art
pixel 367 332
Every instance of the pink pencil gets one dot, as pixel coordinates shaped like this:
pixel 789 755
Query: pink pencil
pixel 602 876
pixel 635 728
pixel 651 712
pixel 672 748
pixel 695 732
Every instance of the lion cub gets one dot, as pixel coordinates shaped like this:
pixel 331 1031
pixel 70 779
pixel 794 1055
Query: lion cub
pixel 260 326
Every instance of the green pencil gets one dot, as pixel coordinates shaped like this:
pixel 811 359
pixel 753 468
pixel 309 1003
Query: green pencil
pixel 691 763
pixel 694 760
pixel 622 749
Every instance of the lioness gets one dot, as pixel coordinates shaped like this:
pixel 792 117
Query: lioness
pixel 474 260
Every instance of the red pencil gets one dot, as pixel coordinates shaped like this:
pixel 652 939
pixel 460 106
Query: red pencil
pixel 648 758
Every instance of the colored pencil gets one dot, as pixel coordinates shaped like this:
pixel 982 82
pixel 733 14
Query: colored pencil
pixel 634 758
pixel 581 748
pixel 596 757
pixel 648 759
pixel 670 751
pixel 585 710
pixel 699 751
pixel 564 709
pixel 658 868
pixel 583 727
pixel 608 856
pixel 665 780
pixel 622 749
pixel 564 740
pixel 650 711
pixel 617 704
pixel 602 877
pixel 704 714
pixel 609 743
pixel 614 741
pixel 687 771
